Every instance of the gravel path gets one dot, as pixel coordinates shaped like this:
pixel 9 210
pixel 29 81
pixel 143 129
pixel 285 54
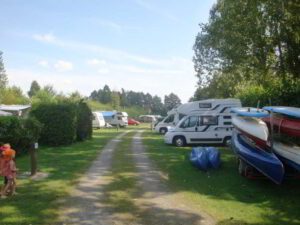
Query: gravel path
pixel 156 199
pixel 154 203
pixel 84 206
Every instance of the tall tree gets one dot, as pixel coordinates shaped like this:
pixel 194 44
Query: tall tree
pixel 171 101
pixel 3 76
pixel 246 41
pixel 34 88
pixel 115 100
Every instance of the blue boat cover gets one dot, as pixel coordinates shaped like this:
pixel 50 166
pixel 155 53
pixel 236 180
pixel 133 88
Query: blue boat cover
pixel 213 157
pixel 250 112
pixel 289 111
pixel 205 158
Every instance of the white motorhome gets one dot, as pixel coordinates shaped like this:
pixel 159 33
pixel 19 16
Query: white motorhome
pixel 115 118
pixel 98 120
pixel 217 106
pixel 201 128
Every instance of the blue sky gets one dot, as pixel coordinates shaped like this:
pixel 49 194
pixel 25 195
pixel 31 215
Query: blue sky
pixel 140 45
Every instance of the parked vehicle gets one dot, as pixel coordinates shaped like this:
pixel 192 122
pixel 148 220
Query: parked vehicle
pixel 98 120
pixel 200 128
pixel 115 118
pixel 133 122
pixel 209 106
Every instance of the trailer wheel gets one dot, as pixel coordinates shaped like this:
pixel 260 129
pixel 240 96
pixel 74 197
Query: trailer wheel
pixel 242 167
pixel 227 141
pixel 163 130
pixel 179 141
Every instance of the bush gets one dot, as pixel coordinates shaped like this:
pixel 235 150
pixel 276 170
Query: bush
pixel 20 133
pixel 59 123
pixel 84 121
pixel 10 131
pixel 274 92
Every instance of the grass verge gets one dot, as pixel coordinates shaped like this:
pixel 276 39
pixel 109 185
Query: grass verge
pixel 121 191
pixel 226 196
pixel 37 200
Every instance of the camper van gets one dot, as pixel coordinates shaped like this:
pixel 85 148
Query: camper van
pixel 201 128
pixel 209 106
pixel 115 118
pixel 98 120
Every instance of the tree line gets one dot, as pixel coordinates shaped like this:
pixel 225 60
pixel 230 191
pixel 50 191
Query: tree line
pixel 122 99
pixel 250 50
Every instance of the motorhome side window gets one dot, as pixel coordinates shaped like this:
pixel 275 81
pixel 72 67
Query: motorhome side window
pixel 169 119
pixel 181 116
pixel 204 105
pixel 209 120
pixel 190 122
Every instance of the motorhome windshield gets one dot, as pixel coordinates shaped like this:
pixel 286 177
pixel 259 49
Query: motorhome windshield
pixel 169 119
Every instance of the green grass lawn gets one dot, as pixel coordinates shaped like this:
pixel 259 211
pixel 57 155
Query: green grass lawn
pixel 226 196
pixel 37 202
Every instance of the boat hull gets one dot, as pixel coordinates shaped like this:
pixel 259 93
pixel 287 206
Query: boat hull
pixel 265 162
pixel 254 128
pixel 289 154
pixel 285 125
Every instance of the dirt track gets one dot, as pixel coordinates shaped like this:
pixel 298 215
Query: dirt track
pixel 156 204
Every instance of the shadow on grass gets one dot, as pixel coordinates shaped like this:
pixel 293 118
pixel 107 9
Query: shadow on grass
pixel 37 202
pixel 234 199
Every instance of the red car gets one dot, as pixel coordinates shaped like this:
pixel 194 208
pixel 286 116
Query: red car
pixel 133 122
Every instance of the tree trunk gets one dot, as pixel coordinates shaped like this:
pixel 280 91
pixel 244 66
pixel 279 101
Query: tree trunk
pixel 33 160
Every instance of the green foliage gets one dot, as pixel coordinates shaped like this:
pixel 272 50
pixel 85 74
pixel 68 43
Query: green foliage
pixel 171 101
pixel 59 123
pixel 13 95
pixel 10 130
pixel 275 92
pixel 3 76
pixel 84 121
pixel 127 99
pixel 250 43
pixel 34 88
pixel 20 133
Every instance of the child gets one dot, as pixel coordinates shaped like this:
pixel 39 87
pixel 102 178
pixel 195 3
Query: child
pixel 8 170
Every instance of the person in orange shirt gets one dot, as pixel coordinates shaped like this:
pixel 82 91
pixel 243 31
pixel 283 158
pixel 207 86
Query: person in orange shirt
pixel 8 170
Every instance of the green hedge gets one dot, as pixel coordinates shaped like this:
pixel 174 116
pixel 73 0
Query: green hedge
pixel 84 121
pixel 59 123
pixel 20 133
pixel 276 92
pixel 64 122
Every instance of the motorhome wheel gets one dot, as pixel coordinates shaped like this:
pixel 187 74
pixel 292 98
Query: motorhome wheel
pixel 179 141
pixel 163 130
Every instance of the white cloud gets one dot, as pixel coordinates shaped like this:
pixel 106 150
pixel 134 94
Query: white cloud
pixel 103 71
pixel 62 66
pixel 44 63
pixel 96 62
pixel 50 38
pixel 115 67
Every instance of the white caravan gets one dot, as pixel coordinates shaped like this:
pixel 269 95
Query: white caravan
pixel 98 120
pixel 209 106
pixel 115 118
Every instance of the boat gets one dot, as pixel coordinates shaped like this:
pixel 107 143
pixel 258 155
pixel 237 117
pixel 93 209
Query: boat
pixel 250 142
pixel 266 162
pixel 288 153
pixel 248 122
pixel 285 120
